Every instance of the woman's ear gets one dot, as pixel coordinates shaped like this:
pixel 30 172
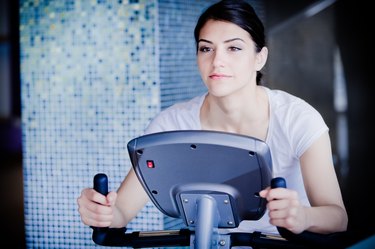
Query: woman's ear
pixel 261 58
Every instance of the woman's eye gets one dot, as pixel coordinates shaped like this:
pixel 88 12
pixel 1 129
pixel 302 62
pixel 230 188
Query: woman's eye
pixel 234 48
pixel 205 49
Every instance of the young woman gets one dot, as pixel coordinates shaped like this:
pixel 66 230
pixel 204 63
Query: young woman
pixel 231 52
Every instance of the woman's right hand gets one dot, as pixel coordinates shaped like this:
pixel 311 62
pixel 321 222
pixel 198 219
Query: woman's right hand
pixel 96 210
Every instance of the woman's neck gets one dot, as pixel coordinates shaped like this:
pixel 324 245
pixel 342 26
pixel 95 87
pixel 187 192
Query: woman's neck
pixel 245 113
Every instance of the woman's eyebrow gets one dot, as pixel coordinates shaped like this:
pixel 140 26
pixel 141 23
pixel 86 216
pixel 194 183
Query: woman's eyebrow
pixel 204 40
pixel 226 41
pixel 234 39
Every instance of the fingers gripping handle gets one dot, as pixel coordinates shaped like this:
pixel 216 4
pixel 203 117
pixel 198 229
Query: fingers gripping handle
pixel 306 238
pixel 99 234
pixel 279 182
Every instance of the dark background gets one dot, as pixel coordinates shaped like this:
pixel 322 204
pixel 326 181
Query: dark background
pixel 346 24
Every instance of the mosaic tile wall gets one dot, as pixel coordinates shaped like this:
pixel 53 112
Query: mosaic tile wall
pixel 179 76
pixel 90 83
pixel 93 74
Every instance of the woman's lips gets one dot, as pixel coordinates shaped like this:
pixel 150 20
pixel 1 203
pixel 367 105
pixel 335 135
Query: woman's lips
pixel 218 76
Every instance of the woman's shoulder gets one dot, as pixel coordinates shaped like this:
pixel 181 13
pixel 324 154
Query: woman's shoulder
pixel 294 117
pixel 282 98
pixel 187 105
pixel 284 102
pixel 293 113
pixel 179 116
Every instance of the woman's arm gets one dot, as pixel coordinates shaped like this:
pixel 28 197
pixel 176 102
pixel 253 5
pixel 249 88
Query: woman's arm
pixel 327 213
pixel 131 198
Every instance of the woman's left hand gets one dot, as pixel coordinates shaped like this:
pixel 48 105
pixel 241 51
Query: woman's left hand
pixel 285 209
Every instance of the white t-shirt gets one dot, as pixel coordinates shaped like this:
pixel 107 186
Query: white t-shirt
pixel 294 125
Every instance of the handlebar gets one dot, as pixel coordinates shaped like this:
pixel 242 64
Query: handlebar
pixel 118 237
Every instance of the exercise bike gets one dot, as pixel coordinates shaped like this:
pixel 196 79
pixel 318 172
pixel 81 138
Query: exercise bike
pixel 209 179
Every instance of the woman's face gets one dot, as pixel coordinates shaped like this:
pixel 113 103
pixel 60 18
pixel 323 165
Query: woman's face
pixel 227 58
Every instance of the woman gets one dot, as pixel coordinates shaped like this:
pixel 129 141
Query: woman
pixel 231 52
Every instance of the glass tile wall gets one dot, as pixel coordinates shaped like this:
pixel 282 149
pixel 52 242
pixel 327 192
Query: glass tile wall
pixel 90 83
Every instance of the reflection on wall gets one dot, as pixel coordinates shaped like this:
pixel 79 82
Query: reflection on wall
pixel 340 103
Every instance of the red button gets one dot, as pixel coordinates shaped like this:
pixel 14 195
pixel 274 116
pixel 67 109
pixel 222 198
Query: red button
pixel 150 164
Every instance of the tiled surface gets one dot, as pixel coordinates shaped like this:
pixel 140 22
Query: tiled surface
pixel 89 84
pixel 179 76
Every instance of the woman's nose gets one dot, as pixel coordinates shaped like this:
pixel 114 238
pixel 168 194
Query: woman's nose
pixel 218 58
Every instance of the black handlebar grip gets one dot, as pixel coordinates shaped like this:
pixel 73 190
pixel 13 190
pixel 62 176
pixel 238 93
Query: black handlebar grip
pixel 278 182
pixel 99 234
pixel 101 183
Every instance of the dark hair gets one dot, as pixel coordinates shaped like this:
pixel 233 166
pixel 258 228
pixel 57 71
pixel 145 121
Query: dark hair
pixel 240 13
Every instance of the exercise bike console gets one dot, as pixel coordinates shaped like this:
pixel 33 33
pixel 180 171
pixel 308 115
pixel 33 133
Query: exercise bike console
pixel 177 166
